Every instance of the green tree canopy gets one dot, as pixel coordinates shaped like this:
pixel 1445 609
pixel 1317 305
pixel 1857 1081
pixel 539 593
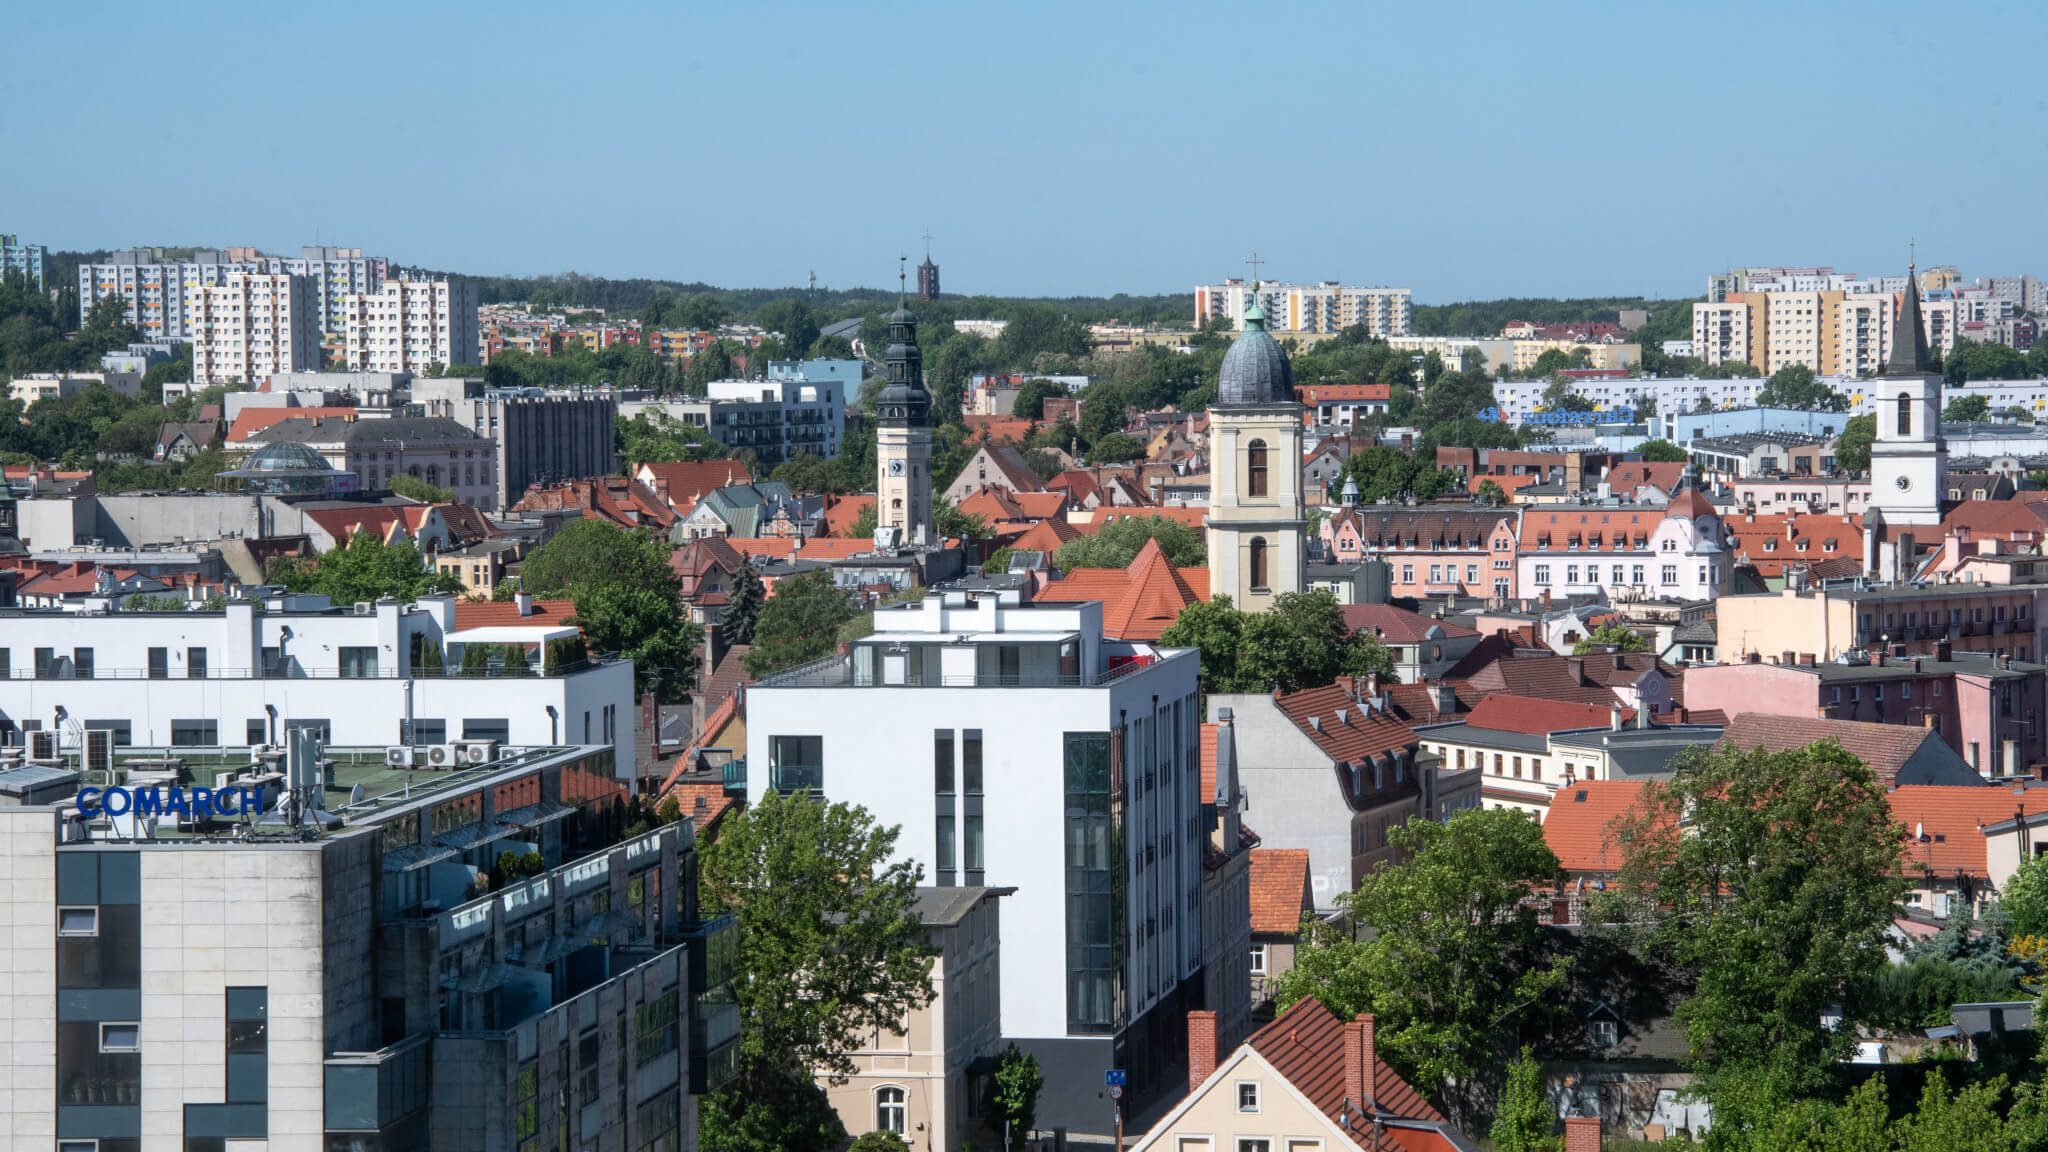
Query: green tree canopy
pixel 1017 1084
pixel 1448 962
pixel 1385 473
pixel 743 605
pixel 1116 448
pixel 1032 396
pixel 414 488
pixel 628 599
pixel 1302 642
pixel 1120 540
pixel 1524 1120
pixel 1971 360
pixel 1562 395
pixel 1852 448
pixel 1611 636
pixel 1969 407
pixel 363 569
pixel 1796 386
pixel 1662 452
pixel 659 438
pixel 1776 895
pixel 799 623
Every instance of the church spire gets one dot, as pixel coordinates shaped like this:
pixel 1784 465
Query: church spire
pixel 1909 339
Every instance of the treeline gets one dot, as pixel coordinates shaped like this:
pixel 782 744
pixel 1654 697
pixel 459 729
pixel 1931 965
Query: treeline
pixel 1488 317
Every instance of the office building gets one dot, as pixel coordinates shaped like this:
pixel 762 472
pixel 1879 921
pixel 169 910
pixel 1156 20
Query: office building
pixel 541 436
pixel 252 325
pixel 434 449
pixel 326 949
pixel 410 325
pixel 160 294
pixel 1077 784
pixel 1328 307
pixel 775 419
pixel 24 260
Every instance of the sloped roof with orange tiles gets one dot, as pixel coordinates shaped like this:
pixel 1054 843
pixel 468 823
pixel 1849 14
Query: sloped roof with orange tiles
pixel 373 520
pixel 1501 712
pixel 1416 703
pixel 1659 474
pixel 1579 825
pixel 1399 625
pixel 1884 747
pixel 712 796
pixel 1040 505
pixel 2005 519
pixel 999 429
pixel 1046 536
pixel 1139 602
pixel 1944 822
pixel 1343 393
pixel 1305 1044
pixel 505 613
pixel 1769 541
pixel 773 547
pixel 841 511
pixel 993 504
pixel 1358 735
pixel 1280 891
pixel 1545 527
pixel 250 421
pixel 689 479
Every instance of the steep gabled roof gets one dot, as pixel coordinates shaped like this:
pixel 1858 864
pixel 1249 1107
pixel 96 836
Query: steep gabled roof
pixel 681 482
pixel 1305 1044
pixel 1280 891
pixel 1398 625
pixel 1884 747
pixel 1774 542
pixel 1944 823
pixel 1502 712
pixel 1659 474
pixel 250 421
pixel 1358 735
pixel 1046 536
pixel 841 511
pixel 1579 825
pixel 1139 602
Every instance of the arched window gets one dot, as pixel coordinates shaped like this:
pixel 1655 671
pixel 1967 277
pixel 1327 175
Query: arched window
pixel 1905 415
pixel 889 1110
pixel 1255 468
pixel 1258 570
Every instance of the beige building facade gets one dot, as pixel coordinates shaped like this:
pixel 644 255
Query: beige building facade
pixel 919 1085
pixel 252 326
pixel 409 325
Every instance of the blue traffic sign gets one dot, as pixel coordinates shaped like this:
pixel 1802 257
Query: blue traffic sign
pixel 1113 1078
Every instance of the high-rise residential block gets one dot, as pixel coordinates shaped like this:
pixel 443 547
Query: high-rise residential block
pixel 1325 307
pixel 160 294
pixel 24 259
pixel 251 326
pixel 407 325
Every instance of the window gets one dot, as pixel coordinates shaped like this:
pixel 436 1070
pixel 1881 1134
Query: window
pixel 195 663
pixel 1543 573
pixel 1258 563
pixel 1571 574
pixel 1905 406
pixel 121 1037
pixel 1603 1033
pixel 1255 468
pixel 248 1045
pixel 1254 1144
pixel 1247 1096
pixel 358 663
pixel 1258 959
pixel 78 921
pixel 81 661
pixel 194 733
pixel 942 762
pixel 1436 573
pixel 159 663
pixel 890 1111
pixel 796 762
pixel 1407 576
pixel 255 733
pixel 970 761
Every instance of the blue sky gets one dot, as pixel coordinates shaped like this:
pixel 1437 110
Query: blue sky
pixel 1465 150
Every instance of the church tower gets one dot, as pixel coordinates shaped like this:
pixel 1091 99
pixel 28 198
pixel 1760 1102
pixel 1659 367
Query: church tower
pixel 1908 460
pixel 1255 525
pixel 903 439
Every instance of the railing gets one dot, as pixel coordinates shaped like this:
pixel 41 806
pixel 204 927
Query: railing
pixel 797 777
pixel 299 672
pixel 837 672
pixel 734 773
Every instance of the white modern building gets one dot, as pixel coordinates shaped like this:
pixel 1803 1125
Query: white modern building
pixel 53 385
pixel 775 418
pixel 160 293
pixel 407 325
pixel 1328 306
pixel 322 950
pixel 1674 394
pixel 251 326
pixel 364 675
pixel 1016 747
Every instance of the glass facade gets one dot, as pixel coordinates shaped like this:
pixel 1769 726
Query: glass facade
pixel 1094 841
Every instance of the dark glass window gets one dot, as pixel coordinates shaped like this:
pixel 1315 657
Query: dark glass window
pixel 942 761
pixel 1258 562
pixel 1093 887
pixel 358 662
pixel 796 762
pixel 1255 468
pixel 159 663
pixel 195 663
pixel 970 761
pixel 248 1044
pixel 194 733
pixel 110 959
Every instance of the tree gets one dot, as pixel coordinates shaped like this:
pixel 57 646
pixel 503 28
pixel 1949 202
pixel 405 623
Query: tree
pixel 2023 906
pixel 1032 396
pixel 799 623
pixel 659 438
pixel 1116 448
pixel 1772 877
pixel 1523 1120
pixel 1016 1093
pixel 743 605
pixel 1971 360
pixel 1967 408
pixel 628 600
pixel 1795 386
pixel 715 362
pixel 878 1141
pixel 1491 493
pixel 1662 452
pixel 792 318
pixel 792 1115
pixel 1852 448
pixel 1562 395
pixel 1120 540
pixel 829 950
pixel 144 602
pixel 807 473
pixel 1611 636
pixel 413 488
pixel 364 569
pixel 1302 642
pixel 1449 962
pixel 950 522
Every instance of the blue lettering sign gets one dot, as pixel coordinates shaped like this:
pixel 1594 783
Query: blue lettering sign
pixel 1490 415
pixel 148 803
pixel 86 796
pixel 184 803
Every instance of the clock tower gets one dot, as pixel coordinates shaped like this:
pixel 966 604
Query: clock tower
pixel 903 439
pixel 1908 460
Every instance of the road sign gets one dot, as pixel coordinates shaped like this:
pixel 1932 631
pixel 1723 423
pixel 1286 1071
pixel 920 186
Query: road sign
pixel 1115 1093
pixel 1113 1077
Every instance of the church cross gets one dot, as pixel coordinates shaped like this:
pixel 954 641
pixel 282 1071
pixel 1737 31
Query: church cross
pixel 1255 262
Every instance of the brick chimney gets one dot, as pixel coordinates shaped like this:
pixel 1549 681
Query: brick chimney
pixel 1582 1134
pixel 1201 1047
pixel 1360 1077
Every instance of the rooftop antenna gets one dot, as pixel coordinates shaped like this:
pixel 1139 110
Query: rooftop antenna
pixel 814 279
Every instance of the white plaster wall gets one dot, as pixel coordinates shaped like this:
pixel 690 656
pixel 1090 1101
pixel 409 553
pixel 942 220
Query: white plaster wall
pixel 28 986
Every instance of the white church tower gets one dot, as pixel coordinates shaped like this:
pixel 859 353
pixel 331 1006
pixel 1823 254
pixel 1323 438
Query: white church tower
pixel 1256 526
pixel 903 440
pixel 1908 460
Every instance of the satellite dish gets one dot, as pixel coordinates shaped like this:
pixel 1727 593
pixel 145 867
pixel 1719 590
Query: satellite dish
pixel 355 794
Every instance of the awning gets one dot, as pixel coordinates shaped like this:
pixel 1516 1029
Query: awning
pixel 534 815
pixel 463 839
pixel 512 634
pixel 416 856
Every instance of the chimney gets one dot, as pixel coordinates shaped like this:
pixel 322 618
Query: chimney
pixel 1360 1077
pixel 1943 652
pixel 1446 697
pixel 1643 717
pixel 1201 1047
pixel 525 603
pixel 1806 659
pixel 1755 657
pixel 1546 601
pixel 1927 721
pixel 1576 665
pixel 1620 661
pixel 1582 1134
pixel 1785 658
pixel 1614 718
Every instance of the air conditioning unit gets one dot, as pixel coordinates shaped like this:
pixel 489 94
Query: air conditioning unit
pixel 42 745
pixel 398 756
pixel 478 751
pixel 365 608
pixel 441 755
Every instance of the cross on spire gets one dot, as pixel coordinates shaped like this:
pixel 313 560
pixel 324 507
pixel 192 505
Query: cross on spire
pixel 928 238
pixel 1255 262
pixel 902 282
pixel 1912 252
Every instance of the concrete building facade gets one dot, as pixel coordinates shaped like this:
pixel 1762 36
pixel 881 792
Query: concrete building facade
pixel 24 260
pixel 540 436
pixel 408 325
pixel 1327 307
pixel 253 325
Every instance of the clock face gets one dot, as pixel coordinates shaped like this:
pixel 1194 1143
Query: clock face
pixel 895 467
pixel 1903 483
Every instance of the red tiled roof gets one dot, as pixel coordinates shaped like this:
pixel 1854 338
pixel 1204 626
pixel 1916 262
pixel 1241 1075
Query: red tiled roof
pixel 1544 676
pixel 1046 536
pixel 1543 527
pixel 505 613
pixel 841 511
pixel 1305 1044
pixel 1416 703
pixel 1884 747
pixel 2005 519
pixel 993 504
pixel 1012 429
pixel 683 481
pixel 1040 505
pixel 1659 474
pixel 1280 892
pixel 1577 827
pixel 1502 712
pixel 1944 823
pixel 371 520
pixel 1139 602
pixel 688 796
pixel 1398 625
pixel 250 421
pixel 1358 736
pixel 1770 541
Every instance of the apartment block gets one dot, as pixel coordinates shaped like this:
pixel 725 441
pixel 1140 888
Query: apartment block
pixel 161 295
pixel 775 419
pixel 24 259
pixel 407 325
pixel 1728 331
pixel 1325 307
pixel 251 326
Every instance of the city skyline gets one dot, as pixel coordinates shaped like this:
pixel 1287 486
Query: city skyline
pixel 1052 163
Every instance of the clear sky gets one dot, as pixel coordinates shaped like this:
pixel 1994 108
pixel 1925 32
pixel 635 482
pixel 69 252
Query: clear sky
pixel 1463 150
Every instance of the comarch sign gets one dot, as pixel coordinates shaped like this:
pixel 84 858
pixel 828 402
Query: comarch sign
pixel 1562 417
pixel 189 803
